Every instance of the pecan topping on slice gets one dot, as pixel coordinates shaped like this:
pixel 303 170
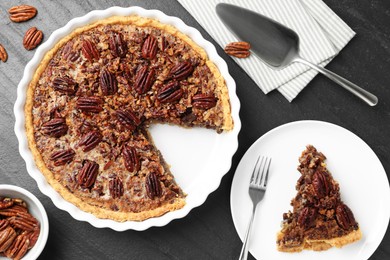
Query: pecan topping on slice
pixel 118 46
pixel 320 184
pixel 108 82
pixel 68 53
pixel 238 49
pixel 6 203
pixel 7 236
pixel 87 174
pixel 62 157
pixel 90 140
pixel 116 187
pixel 90 104
pixel 19 247
pixel 149 48
pixel 56 127
pixel 143 80
pixel 65 85
pixel 131 158
pixel 181 71
pixel 170 92
pixel 204 101
pixel 89 50
pixel 128 119
pixel 32 38
pixel 3 54
pixel 344 217
pixel 306 217
pixel 22 13
pixel 153 186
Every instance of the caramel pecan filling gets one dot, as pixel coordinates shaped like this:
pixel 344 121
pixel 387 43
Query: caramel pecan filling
pixel 95 99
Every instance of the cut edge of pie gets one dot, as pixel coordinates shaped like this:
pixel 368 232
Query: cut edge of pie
pixel 320 219
pixel 178 202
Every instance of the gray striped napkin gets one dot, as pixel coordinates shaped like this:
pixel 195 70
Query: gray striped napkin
pixel 322 35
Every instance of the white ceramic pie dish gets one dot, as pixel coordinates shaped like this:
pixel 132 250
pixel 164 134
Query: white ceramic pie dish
pixel 181 148
pixel 36 209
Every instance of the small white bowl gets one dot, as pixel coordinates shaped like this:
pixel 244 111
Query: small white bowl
pixel 36 209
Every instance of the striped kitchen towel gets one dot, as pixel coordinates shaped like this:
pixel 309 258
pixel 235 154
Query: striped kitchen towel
pixel 322 35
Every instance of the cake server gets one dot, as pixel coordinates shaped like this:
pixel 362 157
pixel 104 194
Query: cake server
pixel 277 45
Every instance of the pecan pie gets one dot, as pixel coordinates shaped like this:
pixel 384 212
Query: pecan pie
pixel 92 99
pixel 320 219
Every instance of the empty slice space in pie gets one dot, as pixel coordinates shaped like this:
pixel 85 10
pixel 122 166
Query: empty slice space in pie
pixel 320 219
pixel 91 102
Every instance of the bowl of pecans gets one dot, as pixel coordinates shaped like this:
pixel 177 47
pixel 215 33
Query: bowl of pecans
pixel 24 226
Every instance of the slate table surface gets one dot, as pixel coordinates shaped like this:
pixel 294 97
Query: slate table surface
pixel 208 231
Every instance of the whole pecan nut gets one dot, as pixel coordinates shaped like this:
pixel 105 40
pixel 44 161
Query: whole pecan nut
pixel 344 217
pixel 33 236
pixel 62 157
pixel 22 13
pixel 128 119
pixel 13 211
pixel 4 223
pixel 89 50
pixel 5 203
pixel 32 38
pixel 116 187
pixel 7 236
pixel 143 80
pixel 20 202
pixel 204 101
pixel 24 221
pixel 18 247
pixel 88 173
pixel 306 217
pixel 90 140
pixel 181 71
pixel 90 104
pixel 170 92
pixel 238 49
pixel 320 184
pixel 149 48
pixel 69 53
pixel 65 85
pixel 3 54
pixel 117 45
pixel 131 158
pixel 153 186
pixel 56 127
pixel 108 82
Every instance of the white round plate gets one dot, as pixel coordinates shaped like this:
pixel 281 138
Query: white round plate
pixel 364 187
pixel 196 155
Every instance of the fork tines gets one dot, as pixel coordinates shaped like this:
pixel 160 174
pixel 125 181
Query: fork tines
pixel 260 171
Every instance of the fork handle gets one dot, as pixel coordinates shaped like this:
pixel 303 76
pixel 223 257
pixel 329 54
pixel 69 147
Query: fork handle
pixel 244 249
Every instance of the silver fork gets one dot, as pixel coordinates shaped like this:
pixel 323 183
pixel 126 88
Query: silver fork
pixel 257 187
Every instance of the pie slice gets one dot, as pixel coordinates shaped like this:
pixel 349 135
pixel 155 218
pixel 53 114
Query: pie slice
pixel 320 220
pixel 92 99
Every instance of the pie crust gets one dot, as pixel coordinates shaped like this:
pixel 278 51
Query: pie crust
pixel 320 219
pixel 143 200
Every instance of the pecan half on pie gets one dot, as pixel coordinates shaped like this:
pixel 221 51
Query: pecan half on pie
pixel 92 99
pixel 320 219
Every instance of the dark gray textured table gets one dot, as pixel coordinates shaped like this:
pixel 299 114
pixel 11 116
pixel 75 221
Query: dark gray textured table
pixel 208 231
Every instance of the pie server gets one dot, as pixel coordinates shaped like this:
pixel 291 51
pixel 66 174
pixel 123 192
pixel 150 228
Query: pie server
pixel 277 45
